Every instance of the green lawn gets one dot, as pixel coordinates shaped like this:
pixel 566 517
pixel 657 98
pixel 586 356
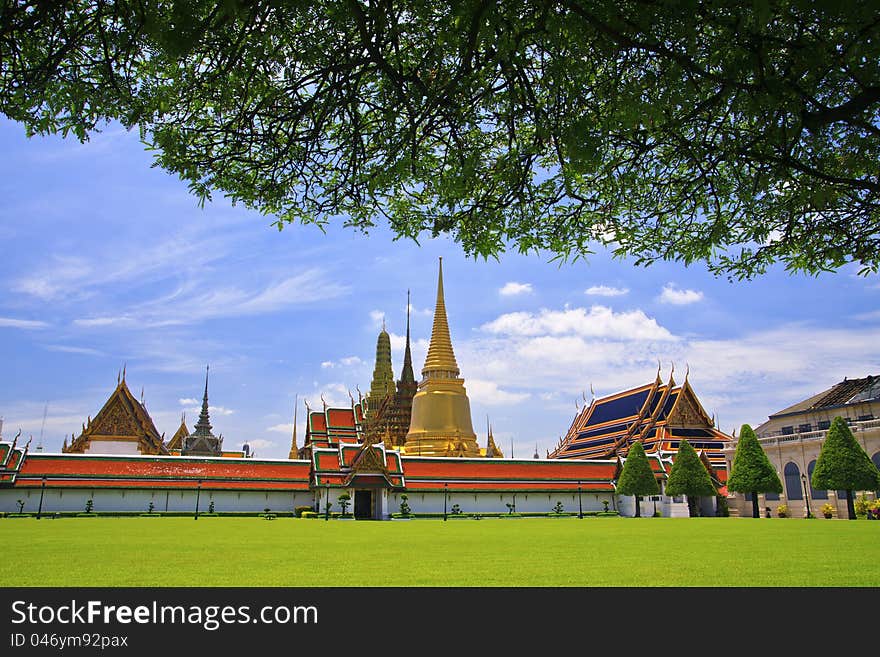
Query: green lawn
pixel 490 552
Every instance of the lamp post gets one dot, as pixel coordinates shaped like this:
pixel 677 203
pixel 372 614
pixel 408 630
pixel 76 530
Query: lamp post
pixel 198 495
pixel 42 490
pixel 445 496
pixel 327 504
pixel 806 495
pixel 580 505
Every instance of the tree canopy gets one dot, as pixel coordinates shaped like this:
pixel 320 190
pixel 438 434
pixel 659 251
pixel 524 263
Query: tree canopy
pixel 688 476
pixel 842 463
pixel 636 476
pixel 689 130
pixel 752 471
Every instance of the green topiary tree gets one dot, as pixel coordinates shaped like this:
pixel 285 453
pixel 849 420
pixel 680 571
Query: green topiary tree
pixel 689 477
pixel 344 501
pixel 404 505
pixel 637 478
pixel 844 465
pixel 752 471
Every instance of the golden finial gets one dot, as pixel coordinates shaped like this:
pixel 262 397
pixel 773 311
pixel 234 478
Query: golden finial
pixel 440 354
pixel 323 402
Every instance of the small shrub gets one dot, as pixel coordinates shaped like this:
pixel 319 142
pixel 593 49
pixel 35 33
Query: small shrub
pixel 404 506
pixel 456 510
pixel 151 507
pixel 827 510
pixel 211 507
pixel 782 511
pixel 309 514
pixel 605 503
pixel 300 510
pixel 344 501
pixel 20 505
pixel 511 508
pixel 558 508
pixel 861 505
pixel 657 514
pixel 89 505
pixel 722 510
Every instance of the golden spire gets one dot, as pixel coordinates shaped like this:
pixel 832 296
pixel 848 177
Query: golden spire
pixel 440 424
pixel 294 450
pixel 440 358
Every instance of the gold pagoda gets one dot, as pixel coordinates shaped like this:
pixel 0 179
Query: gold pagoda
pixel 441 412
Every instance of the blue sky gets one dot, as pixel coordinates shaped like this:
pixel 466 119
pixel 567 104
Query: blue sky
pixel 108 261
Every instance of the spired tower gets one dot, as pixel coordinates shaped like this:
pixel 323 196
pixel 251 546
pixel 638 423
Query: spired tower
pixel 441 412
pixel 382 385
pixel 201 442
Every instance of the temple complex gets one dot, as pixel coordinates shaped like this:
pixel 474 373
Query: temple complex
pixel 403 438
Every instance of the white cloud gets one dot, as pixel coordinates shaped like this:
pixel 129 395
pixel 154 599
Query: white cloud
pixel 599 321
pixel 9 322
pixel 347 361
pixel 377 317
pixel 281 428
pixel 512 288
pixel 104 321
pixel 606 291
pixel 868 317
pixel 260 443
pixel 189 401
pixel 678 297
pixel 86 351
pixel 488 393
pixel 187 305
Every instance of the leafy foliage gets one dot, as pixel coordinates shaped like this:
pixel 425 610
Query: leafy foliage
pixel 404 505
pixel 690 131
pixel 344 502
pixel 636 477
pixel 688 475
pixel 752 471
pixel 89 505
pixel 558 507
pixel 842 463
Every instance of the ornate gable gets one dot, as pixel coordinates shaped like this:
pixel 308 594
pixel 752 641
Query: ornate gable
pixel 122 418
pixel 687 411
pixel 115 419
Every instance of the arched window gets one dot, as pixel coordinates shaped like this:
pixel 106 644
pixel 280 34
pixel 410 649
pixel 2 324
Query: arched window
pixel 793 482
pixel 817 494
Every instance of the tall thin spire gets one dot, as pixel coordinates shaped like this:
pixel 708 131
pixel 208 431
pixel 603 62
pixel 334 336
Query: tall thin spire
pixel 440 355
pixel 407 376
pixel 294 450
pixel 203 426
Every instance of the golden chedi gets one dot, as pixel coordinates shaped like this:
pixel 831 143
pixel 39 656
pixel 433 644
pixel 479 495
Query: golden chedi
pixel 441 412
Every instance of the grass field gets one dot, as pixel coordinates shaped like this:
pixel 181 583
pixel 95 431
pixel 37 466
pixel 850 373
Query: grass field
pixel 492 552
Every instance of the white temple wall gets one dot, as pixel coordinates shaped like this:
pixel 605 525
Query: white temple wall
pixel 138 500
pixel 494 502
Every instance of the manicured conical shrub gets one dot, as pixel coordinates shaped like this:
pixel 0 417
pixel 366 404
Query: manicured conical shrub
pixel 689 477
pixel 752 471
pixel 637 478
pixel 844 465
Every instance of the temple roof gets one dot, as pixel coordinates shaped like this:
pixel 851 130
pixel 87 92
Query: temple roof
pixel 182 432
pixel 658 414
pixel 216 473
pixel 122 416
pixel 440 357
